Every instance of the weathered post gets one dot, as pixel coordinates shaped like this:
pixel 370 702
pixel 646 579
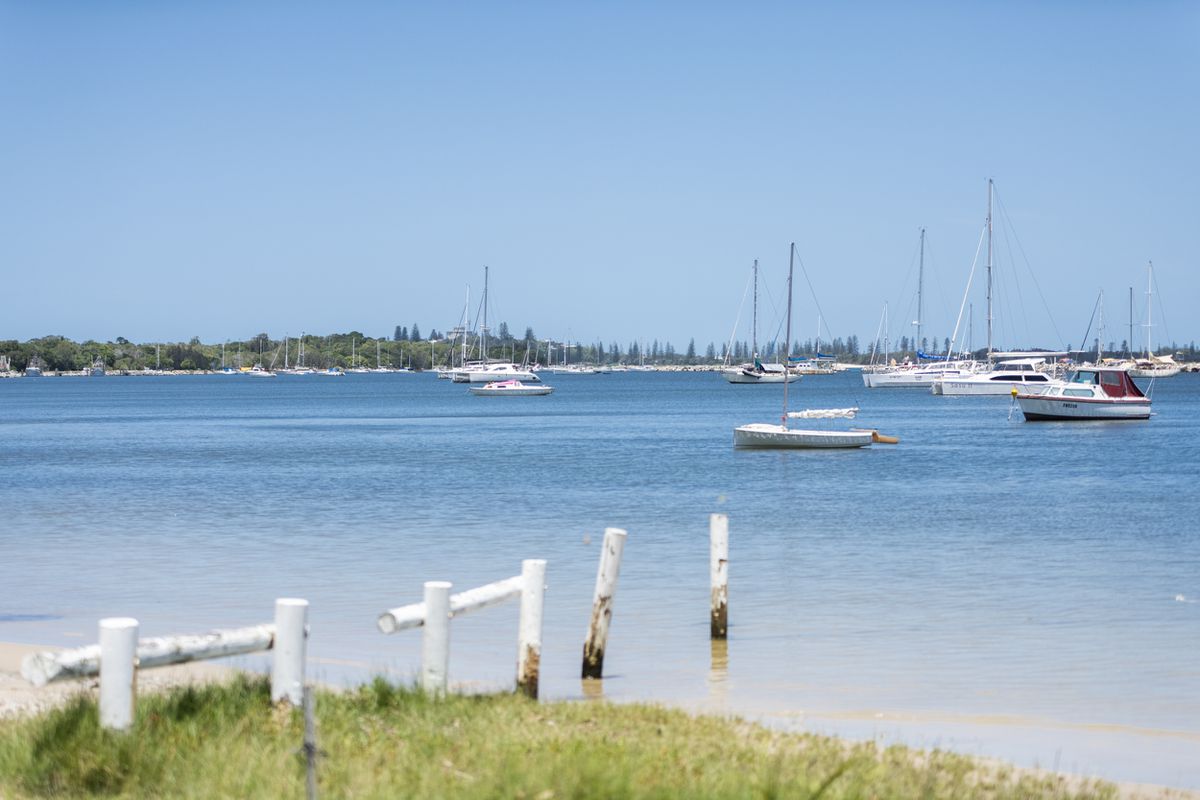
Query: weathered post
pixel 291 634
pixel 435 639
pixel 529 633
pixel 602 601
pixel 118 672
pixel 718 570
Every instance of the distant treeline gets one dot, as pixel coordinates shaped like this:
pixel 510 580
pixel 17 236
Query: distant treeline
pixel 406 348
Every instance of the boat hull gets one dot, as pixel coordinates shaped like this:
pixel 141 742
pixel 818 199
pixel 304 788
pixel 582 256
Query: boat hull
pixel 763 435
pixel 1037 408
pixel 740 377
pixel 1155 372
pixel 521 391
pixel 966 388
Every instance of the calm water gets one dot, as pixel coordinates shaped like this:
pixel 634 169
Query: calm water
pixel 1004 588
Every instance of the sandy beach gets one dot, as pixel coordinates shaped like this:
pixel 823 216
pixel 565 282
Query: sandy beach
pixel 18 696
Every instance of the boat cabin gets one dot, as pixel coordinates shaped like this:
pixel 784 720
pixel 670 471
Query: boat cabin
pixel 1020 370
pixel 1113 382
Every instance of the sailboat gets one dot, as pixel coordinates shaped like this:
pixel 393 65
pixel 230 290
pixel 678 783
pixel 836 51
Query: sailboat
pixel 486 370
pixel 1023 371
pixel 1153 366
pixel 767 435
pixel 919 374
pixel 757 371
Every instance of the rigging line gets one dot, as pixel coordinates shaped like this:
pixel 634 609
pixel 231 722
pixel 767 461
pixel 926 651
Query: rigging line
pixel 737 321
pixel 1029 266
pixel 967 292
pixel 816 302
pixel 1162 314
pixel 1086 333
pixel 900 323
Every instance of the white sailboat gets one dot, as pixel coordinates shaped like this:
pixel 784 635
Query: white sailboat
pixel 920 374
pixel 756 371
pixel 1153 366
pixel 1024 371
pixel 767 435
pixel 488 371
pixel 355 366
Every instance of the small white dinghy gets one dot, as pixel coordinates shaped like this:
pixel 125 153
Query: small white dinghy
pixel 761 434
pixel 509 389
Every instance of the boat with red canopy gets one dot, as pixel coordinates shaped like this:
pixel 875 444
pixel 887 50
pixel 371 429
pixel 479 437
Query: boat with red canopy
pixel 1087 393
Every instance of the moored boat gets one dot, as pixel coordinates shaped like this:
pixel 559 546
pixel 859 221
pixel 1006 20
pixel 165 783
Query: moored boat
pixel 767 435
pixel 1092 393
pixel 1023 374
pixel 509 389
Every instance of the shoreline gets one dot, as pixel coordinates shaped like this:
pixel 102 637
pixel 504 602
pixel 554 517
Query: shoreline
pixel 19 698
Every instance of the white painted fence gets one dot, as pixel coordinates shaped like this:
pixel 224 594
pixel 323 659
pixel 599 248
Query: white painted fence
pixel 439 607
pixel 120 654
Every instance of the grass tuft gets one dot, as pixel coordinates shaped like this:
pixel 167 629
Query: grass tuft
pixel 384 740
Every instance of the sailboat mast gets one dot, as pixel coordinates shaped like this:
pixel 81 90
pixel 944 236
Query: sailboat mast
pixel 485 328
pixel 1149 285
pixel 920 286
pixel 989 270
pixel 1100 332
pixel 754 326
pixel 1129 349
pixel 787 342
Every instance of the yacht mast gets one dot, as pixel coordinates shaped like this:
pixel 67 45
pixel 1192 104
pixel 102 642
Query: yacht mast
pixel 754 326
pixel 989 271
pixel 787 346
pixel 920 284
pixel 1149 285
pixel 1129 349
pixel 484 330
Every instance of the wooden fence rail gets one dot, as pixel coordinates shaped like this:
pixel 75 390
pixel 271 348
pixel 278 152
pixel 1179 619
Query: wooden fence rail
pixel 439 607
pixel 120 654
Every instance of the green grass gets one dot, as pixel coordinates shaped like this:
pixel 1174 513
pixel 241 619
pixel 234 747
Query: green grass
pixel 391 742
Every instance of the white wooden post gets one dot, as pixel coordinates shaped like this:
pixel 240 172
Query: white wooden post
pixel 529 633
pixel 118 672
pixel 602 602
pixel 291 634
pixel 718 570
pixel 435 641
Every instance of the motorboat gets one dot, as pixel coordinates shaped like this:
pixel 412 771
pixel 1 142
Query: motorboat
pixel 1087 393
pixel 1027 375
pixel 509 389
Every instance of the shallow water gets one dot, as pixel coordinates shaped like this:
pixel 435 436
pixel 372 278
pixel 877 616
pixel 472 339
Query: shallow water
pixel 1024 590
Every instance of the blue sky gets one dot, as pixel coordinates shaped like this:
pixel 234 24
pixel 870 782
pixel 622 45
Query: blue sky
pixel 219 169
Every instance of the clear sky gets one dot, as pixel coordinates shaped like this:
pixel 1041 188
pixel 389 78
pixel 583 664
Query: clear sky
pixel 218 169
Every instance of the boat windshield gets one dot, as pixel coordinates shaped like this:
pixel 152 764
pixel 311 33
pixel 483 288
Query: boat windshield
pixel 1083 377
